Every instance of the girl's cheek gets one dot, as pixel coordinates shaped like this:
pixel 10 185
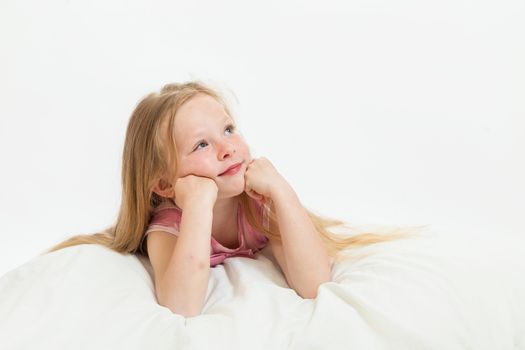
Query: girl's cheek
pixel 187 167
pixel 200 166
pixel 245 150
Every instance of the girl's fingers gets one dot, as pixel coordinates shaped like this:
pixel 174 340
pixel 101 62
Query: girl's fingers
pixel 256 196
pixel 252 194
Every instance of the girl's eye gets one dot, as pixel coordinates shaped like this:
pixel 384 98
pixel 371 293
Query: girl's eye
pixel 202 143
pixel 231 127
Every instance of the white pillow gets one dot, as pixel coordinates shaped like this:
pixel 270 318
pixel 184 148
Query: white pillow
pixel 436 292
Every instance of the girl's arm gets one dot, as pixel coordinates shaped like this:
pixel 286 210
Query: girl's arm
pixel 307 263
pixel 183 282
pixel 302 256
pixel 183 279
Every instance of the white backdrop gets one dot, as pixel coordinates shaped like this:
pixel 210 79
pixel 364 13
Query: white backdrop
pixel 408 113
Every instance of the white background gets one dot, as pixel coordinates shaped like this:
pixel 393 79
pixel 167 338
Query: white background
pixel 405 113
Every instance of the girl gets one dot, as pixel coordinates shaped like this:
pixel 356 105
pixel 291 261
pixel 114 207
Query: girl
pixel 193 196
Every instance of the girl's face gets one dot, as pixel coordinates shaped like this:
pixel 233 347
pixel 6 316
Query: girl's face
pixel 208 144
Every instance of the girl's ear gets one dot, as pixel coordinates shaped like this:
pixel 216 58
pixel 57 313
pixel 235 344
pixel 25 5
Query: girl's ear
pixel 164 189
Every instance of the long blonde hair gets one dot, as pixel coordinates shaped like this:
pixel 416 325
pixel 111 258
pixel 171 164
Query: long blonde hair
pixel 150 154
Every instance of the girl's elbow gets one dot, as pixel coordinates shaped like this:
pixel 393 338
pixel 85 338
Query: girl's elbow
pixel 311 292
pixel 190 314
pixel 308 295
pixel 184 310
pixel 179 306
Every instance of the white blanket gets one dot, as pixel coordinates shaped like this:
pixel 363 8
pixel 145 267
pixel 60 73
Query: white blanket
pixel 435 292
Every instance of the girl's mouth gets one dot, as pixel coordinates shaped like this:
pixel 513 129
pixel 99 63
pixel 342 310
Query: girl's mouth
pixel 232 170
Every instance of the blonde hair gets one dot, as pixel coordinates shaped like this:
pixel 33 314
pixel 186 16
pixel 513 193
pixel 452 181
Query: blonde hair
pixel 150 154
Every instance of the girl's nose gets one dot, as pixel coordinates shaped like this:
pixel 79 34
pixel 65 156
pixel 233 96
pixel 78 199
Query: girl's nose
pixel 227 150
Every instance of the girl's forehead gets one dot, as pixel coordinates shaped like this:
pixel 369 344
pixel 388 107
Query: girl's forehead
pixel 197 116
pixel 201 108
pixel 200 112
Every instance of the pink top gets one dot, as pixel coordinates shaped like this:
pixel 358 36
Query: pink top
pixel 167 216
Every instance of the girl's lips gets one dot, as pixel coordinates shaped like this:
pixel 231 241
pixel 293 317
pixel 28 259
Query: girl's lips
pixel 233 170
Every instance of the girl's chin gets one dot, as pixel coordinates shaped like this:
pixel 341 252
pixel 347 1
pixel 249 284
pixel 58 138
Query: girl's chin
pixel 230 193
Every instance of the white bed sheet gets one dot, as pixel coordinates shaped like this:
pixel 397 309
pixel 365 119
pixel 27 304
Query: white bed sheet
pixel 436 292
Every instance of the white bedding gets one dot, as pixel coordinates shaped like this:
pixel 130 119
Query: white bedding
pixel 436 292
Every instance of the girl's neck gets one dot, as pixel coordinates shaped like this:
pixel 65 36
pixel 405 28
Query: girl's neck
pixel 225 215
pixel 225 207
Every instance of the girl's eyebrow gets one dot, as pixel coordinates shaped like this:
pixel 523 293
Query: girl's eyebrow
pixel 198 134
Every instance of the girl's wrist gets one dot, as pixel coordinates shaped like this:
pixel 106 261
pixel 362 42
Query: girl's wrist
pixel 199 203
pixel 283 190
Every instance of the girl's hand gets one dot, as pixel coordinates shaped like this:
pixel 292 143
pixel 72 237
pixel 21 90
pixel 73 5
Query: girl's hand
pixel 262 179
pixel 192 187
